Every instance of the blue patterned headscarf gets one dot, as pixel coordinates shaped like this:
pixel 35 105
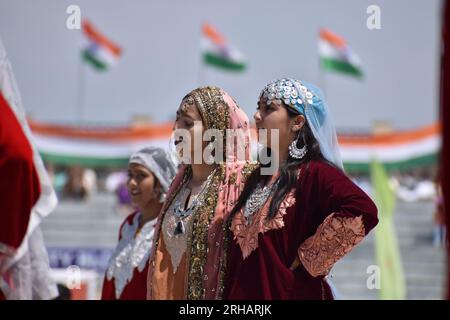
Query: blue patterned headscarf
pixel 309 101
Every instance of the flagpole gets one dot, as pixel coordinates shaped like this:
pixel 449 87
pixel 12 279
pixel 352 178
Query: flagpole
pixel 81 91
pixel 201 74
pixel 201 69
pixel 321 70
pixel 322 78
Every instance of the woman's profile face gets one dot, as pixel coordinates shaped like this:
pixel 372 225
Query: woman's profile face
pixel 275 117
pixel 189 126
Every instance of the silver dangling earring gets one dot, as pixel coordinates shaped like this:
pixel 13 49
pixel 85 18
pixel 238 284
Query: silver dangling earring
pixel 295 152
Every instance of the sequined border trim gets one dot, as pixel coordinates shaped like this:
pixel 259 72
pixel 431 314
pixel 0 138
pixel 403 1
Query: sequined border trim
pixel 167 204
pixel 213 109
pixel 202 219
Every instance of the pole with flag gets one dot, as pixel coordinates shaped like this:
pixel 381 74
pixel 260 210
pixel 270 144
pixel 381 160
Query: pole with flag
pixel 386 247
pixel 217 52
pixel 336 56
pixel 99 52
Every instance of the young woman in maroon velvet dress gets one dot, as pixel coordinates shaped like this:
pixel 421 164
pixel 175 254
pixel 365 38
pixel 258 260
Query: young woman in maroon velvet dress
pixel 290 227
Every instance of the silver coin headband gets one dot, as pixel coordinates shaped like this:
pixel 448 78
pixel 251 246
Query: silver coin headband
pixel 292 92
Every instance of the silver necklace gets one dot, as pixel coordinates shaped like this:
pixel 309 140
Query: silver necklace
pixel 257 199
pixel 182 214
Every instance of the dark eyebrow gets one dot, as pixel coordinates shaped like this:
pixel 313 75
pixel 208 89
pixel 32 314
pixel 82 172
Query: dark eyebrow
pixel 140 170
pixel 181 113
pixel 262 104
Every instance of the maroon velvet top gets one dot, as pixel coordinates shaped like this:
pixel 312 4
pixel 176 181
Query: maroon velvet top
pixel 265 274
pixel 136 289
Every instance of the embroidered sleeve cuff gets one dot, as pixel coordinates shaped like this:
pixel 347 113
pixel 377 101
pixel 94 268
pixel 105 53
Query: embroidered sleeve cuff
pixel 334 238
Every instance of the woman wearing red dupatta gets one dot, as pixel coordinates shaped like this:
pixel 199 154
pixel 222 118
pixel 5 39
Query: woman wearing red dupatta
pixel 289 228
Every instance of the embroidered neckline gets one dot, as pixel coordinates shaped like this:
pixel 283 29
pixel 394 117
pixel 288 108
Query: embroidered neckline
pixel 131 252
pixel 176 245
pixel 246 235
pixel 246 232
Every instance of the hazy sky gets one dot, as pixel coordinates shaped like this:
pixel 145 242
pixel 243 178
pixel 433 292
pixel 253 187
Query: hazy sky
pixel 161 60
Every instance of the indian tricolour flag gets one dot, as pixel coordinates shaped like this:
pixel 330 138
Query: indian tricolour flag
pixel 100 52
pixel 336 55
pixel 219 52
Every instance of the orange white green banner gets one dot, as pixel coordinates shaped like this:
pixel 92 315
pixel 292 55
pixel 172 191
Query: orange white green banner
pixel 102 146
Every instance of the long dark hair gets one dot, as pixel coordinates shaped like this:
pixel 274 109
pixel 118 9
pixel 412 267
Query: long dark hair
pixel 288 170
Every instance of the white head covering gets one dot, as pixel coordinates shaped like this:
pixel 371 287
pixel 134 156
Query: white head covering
pixel 159 162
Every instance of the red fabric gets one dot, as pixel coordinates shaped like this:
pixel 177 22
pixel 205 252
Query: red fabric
pixel 19 182
pixel 445 116
pixel 136 289
pixel 265 274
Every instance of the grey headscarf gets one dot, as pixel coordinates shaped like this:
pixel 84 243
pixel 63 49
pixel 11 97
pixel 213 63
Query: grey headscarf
pixel 159 162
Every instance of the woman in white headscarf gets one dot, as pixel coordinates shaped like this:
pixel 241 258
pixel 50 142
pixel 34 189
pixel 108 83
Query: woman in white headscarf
pixel 150 172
